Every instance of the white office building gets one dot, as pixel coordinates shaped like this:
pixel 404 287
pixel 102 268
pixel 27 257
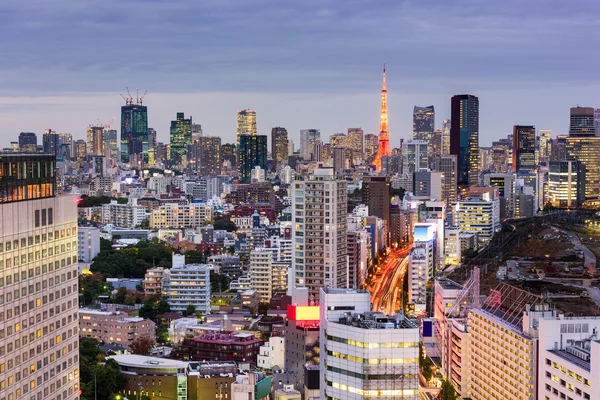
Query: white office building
pixel 477 215
pixel 365 354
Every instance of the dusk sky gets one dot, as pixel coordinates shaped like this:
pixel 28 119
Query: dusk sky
pixel 300 64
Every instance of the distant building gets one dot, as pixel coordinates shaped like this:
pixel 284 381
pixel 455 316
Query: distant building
pixel 586 150
pixel 229 153
pixel 181 136
pixel 88 243
pixel 308 141
pixel 205 156
pixel 177 216
pixel 421 266
pixel 415 156
pixel 27 142
pixel 123 215
pixel 566 183
pixel 464 137
pixel 220 346
pixel 79 149
pixel 523 148
pixel 153 281
pixel 448 166
pixel 478 215
pixel 246 124
pixel 113 326
pixel 134 131
pixel 423 123
pixel 582 122
pixel 279 144
pixel 252 152
pixel 377 194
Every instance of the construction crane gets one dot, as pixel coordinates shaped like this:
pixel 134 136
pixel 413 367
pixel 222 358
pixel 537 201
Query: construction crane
pixel 142 98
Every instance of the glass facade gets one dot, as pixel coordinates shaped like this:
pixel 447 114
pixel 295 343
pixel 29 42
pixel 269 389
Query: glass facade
pixel 251 153
pixel 181 136
pixel 523 148
pixel 134 131
pixel 586 150
pixel 464 137
pixel 423 123
pixel 26 177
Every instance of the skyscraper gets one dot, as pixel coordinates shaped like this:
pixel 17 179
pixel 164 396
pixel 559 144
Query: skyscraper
pixel 27 142
pixel 447 165
pixel 39 293
pixel 134 131
pixel 229 153
pixel 57 144
pixel 545 145
pixel 111 147
pixel 181 136
pixel 95 140
pixel 582 122
pixel 319 204
pixel 251 153
pixel 523 148
pixel 415 156
pixel 279 145
pixel 464 137
pixel 371 142
pixel 446 136
pixel 377 195
pixel 423 123
pixel 308 140
pixel 205 156
pixel 246 124
pixel 355 143
pixel 79 149
pixel 383 147
pixel 586 150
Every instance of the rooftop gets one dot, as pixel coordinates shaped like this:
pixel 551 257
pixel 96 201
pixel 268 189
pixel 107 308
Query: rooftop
pixel 133 360
pixel 329 290
pixel 449 284
pixel 571 358
pixel 370 320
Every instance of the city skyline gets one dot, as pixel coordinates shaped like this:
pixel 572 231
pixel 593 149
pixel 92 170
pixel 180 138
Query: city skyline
pixel 60 84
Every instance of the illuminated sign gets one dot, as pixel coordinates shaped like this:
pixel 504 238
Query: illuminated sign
pixel 423 232
pixel 303 313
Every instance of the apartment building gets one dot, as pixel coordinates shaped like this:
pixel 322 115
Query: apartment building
pixel 88 243
pixel 113 326
pixel 187 284
pixel 123 215
pixel 177 216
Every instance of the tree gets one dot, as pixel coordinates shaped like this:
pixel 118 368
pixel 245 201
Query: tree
pixel 142 345
pixel 447 391
pixel 218 282
pixel 121 294
pixel 190 310
pixel 427 372
pixel 109 380
pixel 153 306
pixel 263 308
pixel 194 257
pixel 224 224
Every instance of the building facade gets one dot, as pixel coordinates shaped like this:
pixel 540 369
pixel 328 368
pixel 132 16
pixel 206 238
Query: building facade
pixel 279 145
pixel 134 131
pixel 464 137
pixel 423 123
pixel 252 152
pixel 187 284
pixel 177 216
pixel 180 136
pixel 113 326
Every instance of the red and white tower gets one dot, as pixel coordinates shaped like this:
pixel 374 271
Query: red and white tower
pixel 383 148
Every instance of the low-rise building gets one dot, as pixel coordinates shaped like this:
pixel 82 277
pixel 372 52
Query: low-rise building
pixel 153 281
pixel 272 353
pixel 188 284
pixel 177 216
pixel 113 326
pixel 123 215
pixel 219 346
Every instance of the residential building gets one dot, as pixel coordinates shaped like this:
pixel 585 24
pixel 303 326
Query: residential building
pixel 252 152
pixel 153 281
pixel 246 124
pixel 272 353
pixel 187 284
pixel 523 148
pixel 464 137
pixel 88 243
pixel 204 156
pixel 319 207
pixel 113 326
pixel 366 354
pixel 279 145
pixel 177 216
pixel 219 346
pixel 180 136
pixel 377 195
pixel 123 215
pixel 37 283
pixel 423 123
pixel 261 273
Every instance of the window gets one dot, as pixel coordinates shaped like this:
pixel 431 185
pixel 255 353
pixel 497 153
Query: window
pixel 37 218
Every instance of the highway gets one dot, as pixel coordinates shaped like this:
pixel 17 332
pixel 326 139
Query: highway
pixel 386 285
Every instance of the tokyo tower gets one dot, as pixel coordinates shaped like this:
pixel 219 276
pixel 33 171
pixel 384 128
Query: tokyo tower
pixel 383 148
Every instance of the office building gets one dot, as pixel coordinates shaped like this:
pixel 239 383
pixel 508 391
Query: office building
pixel 204 156
pixel 428 184
pixel 57 144
pixel 371 143
pixel 79 150
pixel 319 204
pixel 505 183
pixel 566 184
pixel 27 142
pixel 279 145
pixel 39 293
pixel 180 136
pixel 545 145
pixel 115 327
pixel 187 284
pixel 478 215
pixel 301 340
pixel 252 152
pixel 582 122
pixel 464 137
pixel 415 156
pixel 586 150
pixel 88 243
pixel 377 195
pixel 95 140
pixel 523 148
pixel 421 265
pixel 229 154
pixel 308 141
pixel 448 166
pixel 423 123
pixel 365 354
pixel 246 124
pixel 110 138
pixel 355 144
pixel 134 131
pixel 177 216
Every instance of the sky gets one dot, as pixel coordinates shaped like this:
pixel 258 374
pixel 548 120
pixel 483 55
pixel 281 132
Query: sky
pixel 299 64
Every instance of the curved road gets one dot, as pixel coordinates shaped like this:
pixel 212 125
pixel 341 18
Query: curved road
pixel 386 286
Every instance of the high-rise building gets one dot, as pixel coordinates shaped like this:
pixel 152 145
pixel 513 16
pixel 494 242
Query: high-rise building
pixel 448 166
pixel 355 143
pixel 371 142
pixel 27 142
pixel 79 149
pixel 246 124
pixel 37 314
pixel 422 263
pixel 58 144
pixel 279 145
pixel 505 183
pixel 252 152
pixel 582 122
pixel 204 156
pixel 545 145
pixel 383 147
pixel 523 148
pixel 423 123
pixel 586 150
pixel 377 195
pixel 415 156
pixel 181 136
pixel 340 157
pixel 95 140
pixel 229 153
pixel 111 145
pixel 478 215
pixel 464 137
pixel 358 345
pixel 308 140
pixel 446 137
pixel 566 183
pixel 134 131
pixel 319 204
pixel 187 284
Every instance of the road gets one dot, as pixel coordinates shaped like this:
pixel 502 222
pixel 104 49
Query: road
pixel 386 285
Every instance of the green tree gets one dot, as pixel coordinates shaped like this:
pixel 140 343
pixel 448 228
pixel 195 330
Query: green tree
pixel 190 310
pixel 120 296
pixel 142 345
pixel 224 224
pixel 109 380
pixel 263 308
pixel 194 257
pixel 153 306
pixel 219 282
pixel 427 371
pixel 90 287
pixel 447 391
